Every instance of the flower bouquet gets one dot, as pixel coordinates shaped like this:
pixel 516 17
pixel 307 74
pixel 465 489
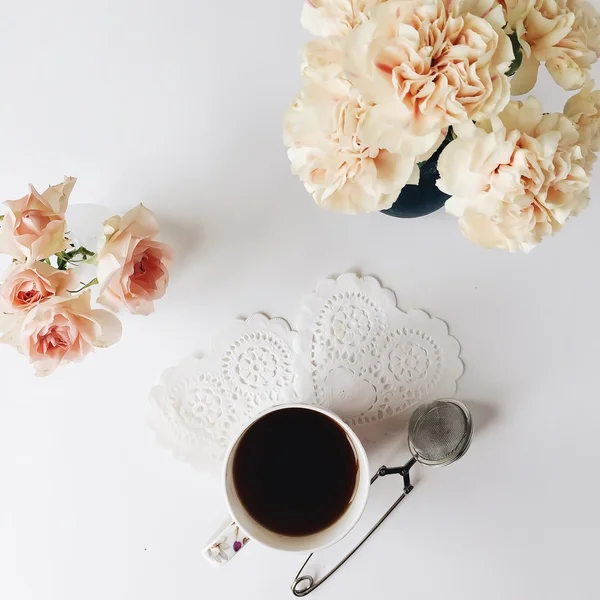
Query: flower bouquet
pixel 409 100
pixel 45 310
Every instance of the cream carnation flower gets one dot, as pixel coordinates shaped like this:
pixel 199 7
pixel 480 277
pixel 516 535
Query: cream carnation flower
pixel 426 65
pixel 322 59
pixel 335 17
pixel 584 110
pixel 515 180
pixel 565 34
pixel 323 133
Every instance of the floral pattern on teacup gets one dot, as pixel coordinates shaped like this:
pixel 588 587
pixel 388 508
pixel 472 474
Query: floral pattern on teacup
pixel 227 545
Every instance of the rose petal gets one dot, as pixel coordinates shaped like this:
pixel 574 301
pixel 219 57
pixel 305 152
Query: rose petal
pixel 111 328
pixel 57 196
pixel 8 243
pixel 10 328
pixel 140 222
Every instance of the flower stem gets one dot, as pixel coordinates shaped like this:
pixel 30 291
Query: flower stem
pixel 65 258
pixel 87 285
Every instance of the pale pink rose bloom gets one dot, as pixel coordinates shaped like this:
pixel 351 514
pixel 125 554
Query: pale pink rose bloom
pixel 26 286
pixel 132 267
pixel 34 226
pixel 63 332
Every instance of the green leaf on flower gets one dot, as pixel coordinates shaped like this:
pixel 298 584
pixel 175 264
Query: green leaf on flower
pixel 86 286
pixel 77 256
pixel 518 51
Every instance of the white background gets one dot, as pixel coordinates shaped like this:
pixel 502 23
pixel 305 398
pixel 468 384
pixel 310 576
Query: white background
pixel 178 104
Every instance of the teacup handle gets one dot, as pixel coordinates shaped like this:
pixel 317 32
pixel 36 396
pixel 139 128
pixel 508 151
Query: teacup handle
pixel 226 544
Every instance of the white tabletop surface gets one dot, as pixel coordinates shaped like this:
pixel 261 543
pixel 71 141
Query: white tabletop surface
pixel 178 104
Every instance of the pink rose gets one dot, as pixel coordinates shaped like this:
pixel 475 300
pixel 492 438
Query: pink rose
pixel 62 332
pixel 132 267
pixel 34 226
pixel 26 286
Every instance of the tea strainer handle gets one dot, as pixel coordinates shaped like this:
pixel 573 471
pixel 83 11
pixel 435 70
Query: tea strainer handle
pixel 308 579
pixel 439 433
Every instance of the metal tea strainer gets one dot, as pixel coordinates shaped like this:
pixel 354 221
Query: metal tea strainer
pixel 439 433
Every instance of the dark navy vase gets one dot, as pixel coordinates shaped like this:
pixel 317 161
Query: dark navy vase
pixel 424 198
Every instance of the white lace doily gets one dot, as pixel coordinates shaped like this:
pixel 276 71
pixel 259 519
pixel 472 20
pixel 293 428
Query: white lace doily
pixel 365 359
pixel 201 403
pixel 354 352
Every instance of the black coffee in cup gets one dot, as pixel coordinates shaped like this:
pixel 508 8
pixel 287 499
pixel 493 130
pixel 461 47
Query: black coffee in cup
pixel 295 471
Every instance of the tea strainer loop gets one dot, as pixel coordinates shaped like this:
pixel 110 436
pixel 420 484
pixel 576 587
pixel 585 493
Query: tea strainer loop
pixel 439 433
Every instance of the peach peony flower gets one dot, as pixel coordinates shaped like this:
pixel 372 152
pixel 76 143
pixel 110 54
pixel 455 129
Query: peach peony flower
pixel 425 65
pixel 335 17
pixel 323 133
pixel 516 179
pixel 584 110
pixel 62 332
pixel 34 226
pixel 565 34
pixel 132 267
pixel 26 286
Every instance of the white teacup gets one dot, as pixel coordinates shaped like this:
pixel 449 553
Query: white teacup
pixel 242 526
